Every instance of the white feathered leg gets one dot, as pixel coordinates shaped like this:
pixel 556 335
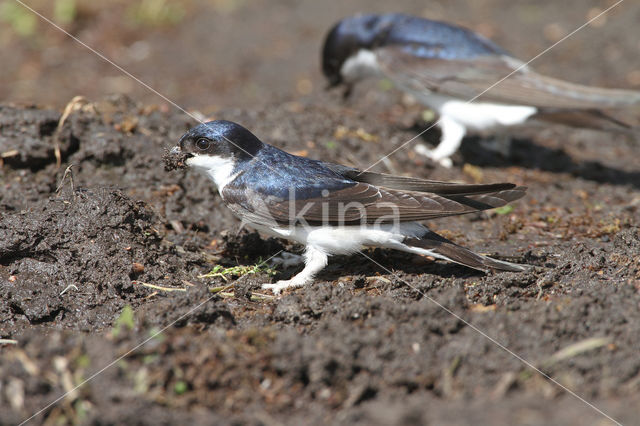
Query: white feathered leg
pixel 287 260
pixel 315 261
pixel 452 134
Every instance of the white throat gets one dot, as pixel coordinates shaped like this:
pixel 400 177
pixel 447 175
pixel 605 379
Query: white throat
pixel 218 169
pixel 361 65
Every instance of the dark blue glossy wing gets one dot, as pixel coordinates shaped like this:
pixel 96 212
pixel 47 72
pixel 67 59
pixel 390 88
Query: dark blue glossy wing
pixel 296 189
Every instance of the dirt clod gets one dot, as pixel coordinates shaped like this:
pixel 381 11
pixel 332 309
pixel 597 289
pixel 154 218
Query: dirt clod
pixel 173 161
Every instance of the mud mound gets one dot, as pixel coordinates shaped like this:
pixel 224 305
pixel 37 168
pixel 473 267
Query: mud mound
pixel 87 248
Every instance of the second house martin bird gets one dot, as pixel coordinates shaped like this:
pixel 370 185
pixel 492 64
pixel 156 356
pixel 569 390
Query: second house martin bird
pixel 444 67
pixel 330 208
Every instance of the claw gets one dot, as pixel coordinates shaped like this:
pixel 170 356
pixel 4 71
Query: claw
pixel 283 284
pixel 315 260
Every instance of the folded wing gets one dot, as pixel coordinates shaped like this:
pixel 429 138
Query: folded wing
pixel 363 203
pixel 497 79
pixel 405 183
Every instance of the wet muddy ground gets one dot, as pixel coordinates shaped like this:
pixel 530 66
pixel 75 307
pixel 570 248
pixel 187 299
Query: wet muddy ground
pixel 101 251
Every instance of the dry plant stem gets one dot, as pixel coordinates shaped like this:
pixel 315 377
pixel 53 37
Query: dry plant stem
pixel 576 349
pixel 67 172
pixel 220 288
pixel 76 102
pixel 158 287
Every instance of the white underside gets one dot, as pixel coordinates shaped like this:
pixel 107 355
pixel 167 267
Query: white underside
pixel 347 239
pixel 359 66
pixel 457 116
pixel 321 242
pixel 474 115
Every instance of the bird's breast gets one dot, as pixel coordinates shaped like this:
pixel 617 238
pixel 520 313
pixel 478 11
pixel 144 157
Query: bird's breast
pixel 361 65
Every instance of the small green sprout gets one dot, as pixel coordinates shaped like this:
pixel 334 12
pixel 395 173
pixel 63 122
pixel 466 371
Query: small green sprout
pixel 331 144
pixel 65 11
pixel 156 334
pixel 504 209
pixel 22 21
pixel 83 361
pixel 125 320
pixel 155 13
pixel 180 387
pixel 428 115
pixel 385 84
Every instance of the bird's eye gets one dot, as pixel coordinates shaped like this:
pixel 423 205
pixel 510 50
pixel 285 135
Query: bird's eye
pixel 203 144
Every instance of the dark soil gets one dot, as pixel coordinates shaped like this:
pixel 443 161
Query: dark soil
pixel 100 266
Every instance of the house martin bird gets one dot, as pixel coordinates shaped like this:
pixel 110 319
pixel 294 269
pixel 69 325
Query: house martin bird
pixel 444 67
pixel 330 208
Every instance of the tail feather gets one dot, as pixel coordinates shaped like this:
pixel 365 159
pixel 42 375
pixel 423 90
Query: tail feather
pixel 577 96
pixel 616 121
pixel 434 245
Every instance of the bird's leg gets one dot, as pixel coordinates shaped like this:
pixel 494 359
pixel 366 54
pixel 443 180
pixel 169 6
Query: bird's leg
pixel 452 134
pixel 500 143
pixel 315 261
pixel 348 89
pixel 287 260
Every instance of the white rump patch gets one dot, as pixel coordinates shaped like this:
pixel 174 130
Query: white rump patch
pixel 347 239
pixel 476 115
pixel 457 117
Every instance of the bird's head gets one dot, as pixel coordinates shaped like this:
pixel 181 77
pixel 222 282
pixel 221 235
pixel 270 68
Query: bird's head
pixel 345 41
pixel 213 147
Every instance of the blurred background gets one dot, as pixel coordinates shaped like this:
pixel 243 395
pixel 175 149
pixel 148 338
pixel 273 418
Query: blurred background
pixel 212 54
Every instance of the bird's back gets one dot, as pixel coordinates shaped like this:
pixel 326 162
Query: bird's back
pixel 434 39
pixel 278 173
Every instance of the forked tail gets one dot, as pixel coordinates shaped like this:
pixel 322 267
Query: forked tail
pixel 432 244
